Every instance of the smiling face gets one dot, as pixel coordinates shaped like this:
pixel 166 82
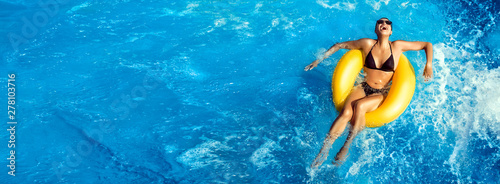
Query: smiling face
pixel 383 27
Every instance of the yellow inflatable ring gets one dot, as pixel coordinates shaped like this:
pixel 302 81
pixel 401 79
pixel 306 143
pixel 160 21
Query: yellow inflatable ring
pixel 399 97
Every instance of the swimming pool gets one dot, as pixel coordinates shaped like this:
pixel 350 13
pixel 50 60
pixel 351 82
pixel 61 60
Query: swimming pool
pixel 215 92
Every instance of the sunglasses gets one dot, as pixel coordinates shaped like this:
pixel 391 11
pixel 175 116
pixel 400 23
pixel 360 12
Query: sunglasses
pixel 388 22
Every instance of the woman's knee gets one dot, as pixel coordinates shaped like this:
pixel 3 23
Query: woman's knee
pixel 367 104
pixel 346 113
pixel 360 107
pixel 359 113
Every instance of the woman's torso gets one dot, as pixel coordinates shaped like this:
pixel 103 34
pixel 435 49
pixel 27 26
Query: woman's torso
pixel 378 78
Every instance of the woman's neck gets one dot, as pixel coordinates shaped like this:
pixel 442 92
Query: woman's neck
pixel 383 41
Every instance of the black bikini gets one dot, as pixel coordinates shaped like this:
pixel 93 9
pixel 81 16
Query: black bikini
pixel 388 66
pixel 369 90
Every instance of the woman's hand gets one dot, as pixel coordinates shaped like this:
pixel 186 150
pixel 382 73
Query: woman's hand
pixel 427 72
pixel 312 65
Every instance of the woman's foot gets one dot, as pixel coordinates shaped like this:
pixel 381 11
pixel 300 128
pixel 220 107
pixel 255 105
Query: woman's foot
pixel 341 156
pixel 323 153
pixel 321 157
pixel 337 163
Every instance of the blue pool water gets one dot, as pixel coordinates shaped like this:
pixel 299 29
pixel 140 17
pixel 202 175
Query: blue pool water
pixel 214 92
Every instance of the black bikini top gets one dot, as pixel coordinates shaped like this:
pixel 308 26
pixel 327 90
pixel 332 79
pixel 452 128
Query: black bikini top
pixel 388 65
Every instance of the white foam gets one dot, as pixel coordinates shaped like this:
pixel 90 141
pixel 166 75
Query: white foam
pixel 192 5
pixel 132 39
pixel 169 12
pixel 462 101
pixel 488 96
pixel 181 67
pixel 405 4
pixel 189 10
pixel 264 157
pixel 170 148
pixel 204 154
pixel 320 53
pixel 300 134
pixel 257 7
pixel 347 6
pixel 220 22
pixel 372 145
pixel 377 4
pixel 467 79
pixel 78 7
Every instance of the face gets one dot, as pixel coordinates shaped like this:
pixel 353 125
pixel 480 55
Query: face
pixel 383 27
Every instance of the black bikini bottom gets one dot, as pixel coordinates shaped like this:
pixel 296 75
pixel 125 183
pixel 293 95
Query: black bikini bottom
pixel 369 90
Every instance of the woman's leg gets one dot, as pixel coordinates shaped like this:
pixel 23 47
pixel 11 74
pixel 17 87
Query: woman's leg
pixel 338 126
pixel 361 107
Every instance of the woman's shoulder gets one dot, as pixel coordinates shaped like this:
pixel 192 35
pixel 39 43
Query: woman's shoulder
pixel 404 45
pixel 399 42
pixel 367 42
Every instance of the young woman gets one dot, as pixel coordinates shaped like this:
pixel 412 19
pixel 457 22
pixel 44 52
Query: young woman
pixel 381 59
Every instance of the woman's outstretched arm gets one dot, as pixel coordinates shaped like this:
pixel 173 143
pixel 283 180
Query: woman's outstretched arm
pixel 356 44
pixel 427 46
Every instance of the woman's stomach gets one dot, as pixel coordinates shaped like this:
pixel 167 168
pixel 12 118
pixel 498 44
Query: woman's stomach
pixel 377 79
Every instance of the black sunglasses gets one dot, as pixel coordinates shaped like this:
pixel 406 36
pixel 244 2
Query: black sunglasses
pixel 388 22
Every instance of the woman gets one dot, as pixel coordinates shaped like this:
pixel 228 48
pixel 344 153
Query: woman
pixel 381 59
